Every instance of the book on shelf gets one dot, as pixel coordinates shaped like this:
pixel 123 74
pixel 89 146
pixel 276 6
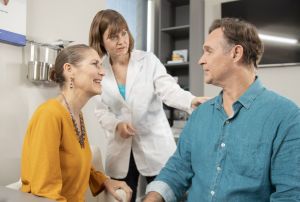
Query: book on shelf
pixel 179 56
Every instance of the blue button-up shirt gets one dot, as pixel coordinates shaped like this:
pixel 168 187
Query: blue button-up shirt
pixel 253 156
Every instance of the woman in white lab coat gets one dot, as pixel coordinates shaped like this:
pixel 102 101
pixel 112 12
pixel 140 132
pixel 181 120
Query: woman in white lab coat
pixel 130 108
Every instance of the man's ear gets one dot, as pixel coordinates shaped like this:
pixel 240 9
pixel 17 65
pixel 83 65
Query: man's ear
pixel 237 52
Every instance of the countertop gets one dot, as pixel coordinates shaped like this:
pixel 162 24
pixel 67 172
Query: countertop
pixel 11 195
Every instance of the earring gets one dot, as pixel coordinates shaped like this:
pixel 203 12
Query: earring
pixel 71 83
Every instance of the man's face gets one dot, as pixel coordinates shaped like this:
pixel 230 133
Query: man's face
pixel 216 59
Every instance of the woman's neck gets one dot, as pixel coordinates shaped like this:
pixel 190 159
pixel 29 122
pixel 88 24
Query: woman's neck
pixel 122 60
pixel 75 100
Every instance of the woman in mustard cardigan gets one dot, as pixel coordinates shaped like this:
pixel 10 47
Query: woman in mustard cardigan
pixel 56 158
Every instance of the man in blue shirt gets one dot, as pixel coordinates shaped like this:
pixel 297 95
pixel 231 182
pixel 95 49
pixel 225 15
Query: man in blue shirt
pixel 241 146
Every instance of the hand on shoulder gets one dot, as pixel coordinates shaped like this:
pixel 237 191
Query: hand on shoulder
pixel 199 100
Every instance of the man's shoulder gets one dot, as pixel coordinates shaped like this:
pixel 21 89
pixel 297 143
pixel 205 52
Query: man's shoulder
pixel 276 106
pixel 204 107
pixel 209 102
pixel 276 100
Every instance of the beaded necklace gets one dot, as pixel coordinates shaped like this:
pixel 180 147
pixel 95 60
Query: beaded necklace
pixel 81 133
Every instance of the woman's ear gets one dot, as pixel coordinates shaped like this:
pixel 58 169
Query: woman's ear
pixel 67 67
pixel 68 70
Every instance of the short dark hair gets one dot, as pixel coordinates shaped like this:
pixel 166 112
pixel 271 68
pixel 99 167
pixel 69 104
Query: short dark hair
pixel 103 20
pixel 240 32
pixel 73 55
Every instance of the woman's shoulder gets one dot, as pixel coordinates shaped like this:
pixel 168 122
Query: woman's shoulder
pixel 140 54
pixel 50 107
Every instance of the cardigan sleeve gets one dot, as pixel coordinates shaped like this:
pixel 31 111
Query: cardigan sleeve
pixel 96 181
pixel 41 170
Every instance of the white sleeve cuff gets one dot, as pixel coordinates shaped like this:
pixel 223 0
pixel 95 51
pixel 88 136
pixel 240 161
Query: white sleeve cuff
pixel 163 189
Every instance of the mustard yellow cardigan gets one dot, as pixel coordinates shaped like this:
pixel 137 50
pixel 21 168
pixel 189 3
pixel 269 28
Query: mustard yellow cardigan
pixel 53 163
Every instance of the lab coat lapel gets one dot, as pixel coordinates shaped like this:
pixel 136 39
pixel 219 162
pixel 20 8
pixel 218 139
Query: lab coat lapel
pixel 111 82
pixel 134 67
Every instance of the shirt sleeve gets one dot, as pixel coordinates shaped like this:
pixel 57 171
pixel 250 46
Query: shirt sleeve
pixel 163 189
pixel 41 160
pixel 169 91
pixel 178 172
pixel 96 181
pixel 285 161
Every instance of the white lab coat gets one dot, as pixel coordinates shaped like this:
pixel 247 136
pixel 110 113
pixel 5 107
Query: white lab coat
pixel 147 86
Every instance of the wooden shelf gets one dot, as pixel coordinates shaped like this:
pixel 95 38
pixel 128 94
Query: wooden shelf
pixel 177 65
pixel 178 31
pixel 173 34
pixel 180 26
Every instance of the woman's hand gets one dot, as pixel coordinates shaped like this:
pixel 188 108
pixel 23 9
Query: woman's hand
pixel 199 100
pixel 125 130
pixel 113 185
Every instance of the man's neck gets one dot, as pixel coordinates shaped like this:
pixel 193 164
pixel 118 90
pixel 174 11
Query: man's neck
pixel 235 89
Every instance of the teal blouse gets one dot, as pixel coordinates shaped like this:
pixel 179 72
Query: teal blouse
pixel 122 90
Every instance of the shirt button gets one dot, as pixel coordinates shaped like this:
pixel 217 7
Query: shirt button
pixel 212 193
pixel 222 144
pixel 219 168
pixel 227 122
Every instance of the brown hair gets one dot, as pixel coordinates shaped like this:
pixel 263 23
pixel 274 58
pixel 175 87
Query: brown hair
pixel 239 32
pixel 72 55
pixel 103 20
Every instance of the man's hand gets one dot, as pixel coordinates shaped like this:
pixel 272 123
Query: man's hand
pixel 153 197
pixel 113 185
pixel 199 100
pixel 125 130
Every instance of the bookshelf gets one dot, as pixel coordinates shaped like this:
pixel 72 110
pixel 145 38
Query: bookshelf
pixel 181 26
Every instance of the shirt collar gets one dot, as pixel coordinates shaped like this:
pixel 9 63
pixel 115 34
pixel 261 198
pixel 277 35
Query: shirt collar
pixel 255 89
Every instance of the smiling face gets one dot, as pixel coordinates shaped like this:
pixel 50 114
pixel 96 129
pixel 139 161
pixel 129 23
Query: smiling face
pixel 88 73
pixel 217 58
pixel 116 44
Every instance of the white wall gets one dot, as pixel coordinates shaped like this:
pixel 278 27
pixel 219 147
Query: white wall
pixel 284 80
pixel 47 21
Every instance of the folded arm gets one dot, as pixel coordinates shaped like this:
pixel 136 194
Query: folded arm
pixel 285 162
